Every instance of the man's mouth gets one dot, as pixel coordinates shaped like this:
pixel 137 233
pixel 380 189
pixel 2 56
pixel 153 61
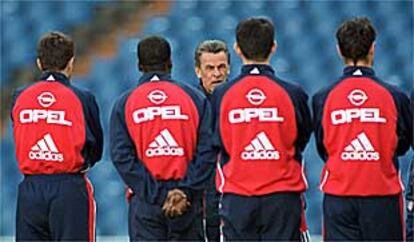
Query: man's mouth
pixel 217 82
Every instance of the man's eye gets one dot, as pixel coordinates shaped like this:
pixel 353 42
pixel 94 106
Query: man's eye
pixel 222 67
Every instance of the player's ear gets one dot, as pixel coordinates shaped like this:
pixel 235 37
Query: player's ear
pixel 274 47
pixel 140 67
pixel 39 64
pixel 338 50
pixel 237 49
pixel 197 70
pixel 70 63
pixel 372 49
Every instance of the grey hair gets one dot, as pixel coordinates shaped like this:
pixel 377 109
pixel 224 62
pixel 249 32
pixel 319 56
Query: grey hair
pixel 210 46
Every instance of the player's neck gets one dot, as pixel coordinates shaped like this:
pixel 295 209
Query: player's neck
pixel 362 63
pixel 66 73
pixel 255 62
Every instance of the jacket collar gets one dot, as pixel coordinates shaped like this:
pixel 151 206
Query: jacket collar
pixel 54 76
pixel 358 71
pixel 257 69
pixel 154 76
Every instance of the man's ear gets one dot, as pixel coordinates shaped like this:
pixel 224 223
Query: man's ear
pixel 197 71
pixel 70 62
pixel 338 50
pixel 237 49
pixel 274 47
pixel 39 64
pixel 372 49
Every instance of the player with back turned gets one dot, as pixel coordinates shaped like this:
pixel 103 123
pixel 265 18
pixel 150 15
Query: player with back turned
pixel 362 125
pixel 262 125
pixel 160 145
pixel 58 137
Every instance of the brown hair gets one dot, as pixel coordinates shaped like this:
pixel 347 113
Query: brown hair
pixel 355 38
pixel 54 51
pixel 255 37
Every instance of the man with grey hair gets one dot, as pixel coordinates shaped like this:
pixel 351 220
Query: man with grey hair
pixel 212 64
pixel 212 67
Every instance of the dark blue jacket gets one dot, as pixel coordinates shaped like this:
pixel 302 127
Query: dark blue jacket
pixel 262 125
pixel 160 138
pixel 361 120
pixel 56 126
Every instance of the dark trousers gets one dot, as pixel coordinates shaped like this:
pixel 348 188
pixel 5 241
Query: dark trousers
pixel 270 217
pixel 57 207
pixel 363 218
pixel 147 222
pixel 212 200
pixel 410 204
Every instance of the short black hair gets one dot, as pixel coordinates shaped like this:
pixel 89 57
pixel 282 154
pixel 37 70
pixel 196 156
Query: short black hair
pixel 210 46
pixel 355 38
pixel 255 37
pixel 54 51
pixel 154 54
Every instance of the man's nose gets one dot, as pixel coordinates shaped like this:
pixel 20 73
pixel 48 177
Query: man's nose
pixel 216 72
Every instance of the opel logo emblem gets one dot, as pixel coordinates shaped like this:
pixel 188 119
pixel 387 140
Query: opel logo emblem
pixel 46 99
pixel 256 96
pixel 357 97
pixel 157 97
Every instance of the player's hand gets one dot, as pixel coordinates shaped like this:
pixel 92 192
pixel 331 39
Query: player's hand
pixel 175 204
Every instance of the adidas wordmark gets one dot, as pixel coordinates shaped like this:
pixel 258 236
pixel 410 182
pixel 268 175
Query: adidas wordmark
pixel 45 149
pixel 164 144
pixel 360 148
pixel 260 148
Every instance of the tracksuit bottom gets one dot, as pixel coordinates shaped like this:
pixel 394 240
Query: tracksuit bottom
pixel 147 222
pixel 410 204
pixel 212 200
pixel 272 217
pixel 363 218
pixel 58 207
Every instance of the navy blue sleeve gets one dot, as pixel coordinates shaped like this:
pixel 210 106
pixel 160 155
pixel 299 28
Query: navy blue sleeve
pixel 412 113
pixel 94 134
pixel 122 148
pixel 303 117
pixel 93 148
pixel 202 166
pixel 216 99
pixel 126 161
pixel 404 118
pixel 318 101
pixel 404 124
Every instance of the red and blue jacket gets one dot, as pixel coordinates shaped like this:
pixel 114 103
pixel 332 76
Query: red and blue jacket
pixel 362 125
pixel 262 125
pixel 160 138
pixel 56 127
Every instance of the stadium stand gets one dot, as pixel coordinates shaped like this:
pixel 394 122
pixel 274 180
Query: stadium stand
pixel 306 54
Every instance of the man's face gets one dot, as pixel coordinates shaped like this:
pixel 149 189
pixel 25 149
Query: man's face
pixel 213 69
